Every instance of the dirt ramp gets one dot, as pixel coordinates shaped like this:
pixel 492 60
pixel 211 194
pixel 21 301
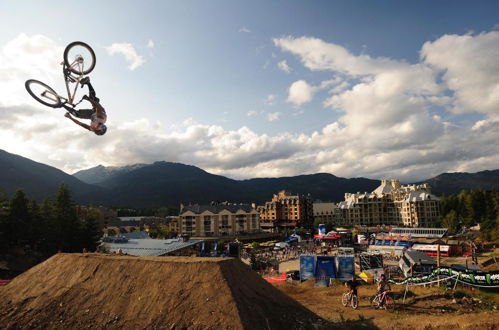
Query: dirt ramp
pixel 99 291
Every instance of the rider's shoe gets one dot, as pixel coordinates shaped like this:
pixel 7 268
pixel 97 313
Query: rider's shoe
pixel 84 81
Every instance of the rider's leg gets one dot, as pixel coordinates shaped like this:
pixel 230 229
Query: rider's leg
pixel 91 90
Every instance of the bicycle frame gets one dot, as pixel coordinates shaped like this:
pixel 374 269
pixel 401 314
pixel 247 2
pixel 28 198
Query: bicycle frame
pixel 69 77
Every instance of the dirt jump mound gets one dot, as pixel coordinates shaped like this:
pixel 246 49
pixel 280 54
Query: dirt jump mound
pixel 99 291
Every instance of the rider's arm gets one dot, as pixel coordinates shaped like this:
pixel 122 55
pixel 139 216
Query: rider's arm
pixel 67 115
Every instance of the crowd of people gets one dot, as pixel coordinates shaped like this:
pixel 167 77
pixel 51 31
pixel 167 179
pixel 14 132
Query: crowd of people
pixel 271 256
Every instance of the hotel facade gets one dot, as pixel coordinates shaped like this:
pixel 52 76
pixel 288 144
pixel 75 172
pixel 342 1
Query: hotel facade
pixel 390 204
pixel 286 210
pixel 218 220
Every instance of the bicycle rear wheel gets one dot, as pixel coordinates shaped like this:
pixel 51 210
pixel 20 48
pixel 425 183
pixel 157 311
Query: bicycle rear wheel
pixel 79 58
pixel 355 302
pixel 43 93
pixel 389 303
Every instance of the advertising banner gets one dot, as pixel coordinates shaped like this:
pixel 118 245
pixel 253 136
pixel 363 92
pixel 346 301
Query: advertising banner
pixel 307 267
pixel 325 269
pixel 346 268
pixel 478 278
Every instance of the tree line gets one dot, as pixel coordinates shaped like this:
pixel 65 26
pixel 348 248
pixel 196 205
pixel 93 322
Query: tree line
pixel 50 226
pixel 470 208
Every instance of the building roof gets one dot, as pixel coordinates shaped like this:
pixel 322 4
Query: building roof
pixel 384 188
pixel 150 247
pixel 420 195
pixel 232 208
pixel 417 256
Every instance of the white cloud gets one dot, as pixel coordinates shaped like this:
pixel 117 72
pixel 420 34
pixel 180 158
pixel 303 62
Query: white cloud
pixel 150 44
pixel 283 65
pixel 471 69
pixel 273 116
pixel 245 30
pixel 252 113
pixel 300 92
pixel 393 118
pixel 28 57
pixel 270 99
pixel 133 59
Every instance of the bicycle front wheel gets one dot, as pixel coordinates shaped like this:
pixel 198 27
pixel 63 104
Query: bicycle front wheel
pixel 79 58
pixel 43 93
pixel 375 302
pixel 344 299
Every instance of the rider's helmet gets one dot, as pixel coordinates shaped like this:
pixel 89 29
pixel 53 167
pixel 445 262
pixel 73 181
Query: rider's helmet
pixel 102 130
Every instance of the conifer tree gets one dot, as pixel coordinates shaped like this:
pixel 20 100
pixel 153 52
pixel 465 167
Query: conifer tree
pixel 66 221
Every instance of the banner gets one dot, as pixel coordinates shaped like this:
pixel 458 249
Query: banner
pixel 346 268
pixel 307 267
pixel 325 269
pixel 478 278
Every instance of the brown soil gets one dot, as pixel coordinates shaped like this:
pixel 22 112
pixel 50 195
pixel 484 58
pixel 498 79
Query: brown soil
pixel 425 308
pixel 74 291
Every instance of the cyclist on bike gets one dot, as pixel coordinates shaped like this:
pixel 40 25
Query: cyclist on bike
pixel 383 288
pixel 97 114
pixel 352 285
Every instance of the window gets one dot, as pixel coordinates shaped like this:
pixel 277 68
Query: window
pixel 207 224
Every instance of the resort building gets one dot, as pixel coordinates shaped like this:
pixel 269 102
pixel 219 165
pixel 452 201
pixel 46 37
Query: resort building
pixel 391 204
pixel 286 211
pixel 218 220
pixel 325 212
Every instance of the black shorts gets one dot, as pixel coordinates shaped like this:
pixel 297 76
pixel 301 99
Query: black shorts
pixel 84 113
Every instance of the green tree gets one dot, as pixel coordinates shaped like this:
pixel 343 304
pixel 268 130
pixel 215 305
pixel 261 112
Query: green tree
pixel 67 221
pixel 90 232
pixel 18 221
pixel 451 221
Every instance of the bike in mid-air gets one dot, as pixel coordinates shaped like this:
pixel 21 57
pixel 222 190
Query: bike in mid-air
pixel 78 61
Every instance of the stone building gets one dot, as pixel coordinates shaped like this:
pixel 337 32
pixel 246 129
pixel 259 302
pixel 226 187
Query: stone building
pixel 325 212
pixel 218 220
pixel 391 204
pixel 286 211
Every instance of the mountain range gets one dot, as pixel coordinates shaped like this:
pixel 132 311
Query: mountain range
pixel 169 184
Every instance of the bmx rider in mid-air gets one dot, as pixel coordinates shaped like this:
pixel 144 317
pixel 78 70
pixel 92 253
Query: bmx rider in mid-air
pixel 97 114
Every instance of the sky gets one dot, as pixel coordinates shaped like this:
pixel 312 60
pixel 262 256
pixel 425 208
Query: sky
pixel 244 89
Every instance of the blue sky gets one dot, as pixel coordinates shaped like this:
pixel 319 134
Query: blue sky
pixel 233 87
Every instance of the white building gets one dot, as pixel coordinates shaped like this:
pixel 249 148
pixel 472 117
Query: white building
pixel 391 204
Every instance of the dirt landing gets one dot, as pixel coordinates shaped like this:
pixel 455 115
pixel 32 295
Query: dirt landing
pixel 425 308
pixel 98 291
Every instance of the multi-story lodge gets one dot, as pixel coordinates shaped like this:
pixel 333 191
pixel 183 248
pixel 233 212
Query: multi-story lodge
pixel 391 204
pixel 286 211
pixel 325 212
pixel 218 220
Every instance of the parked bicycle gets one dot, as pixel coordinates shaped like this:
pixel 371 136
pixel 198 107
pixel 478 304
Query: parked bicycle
pixel 383 300
pixel 350 298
